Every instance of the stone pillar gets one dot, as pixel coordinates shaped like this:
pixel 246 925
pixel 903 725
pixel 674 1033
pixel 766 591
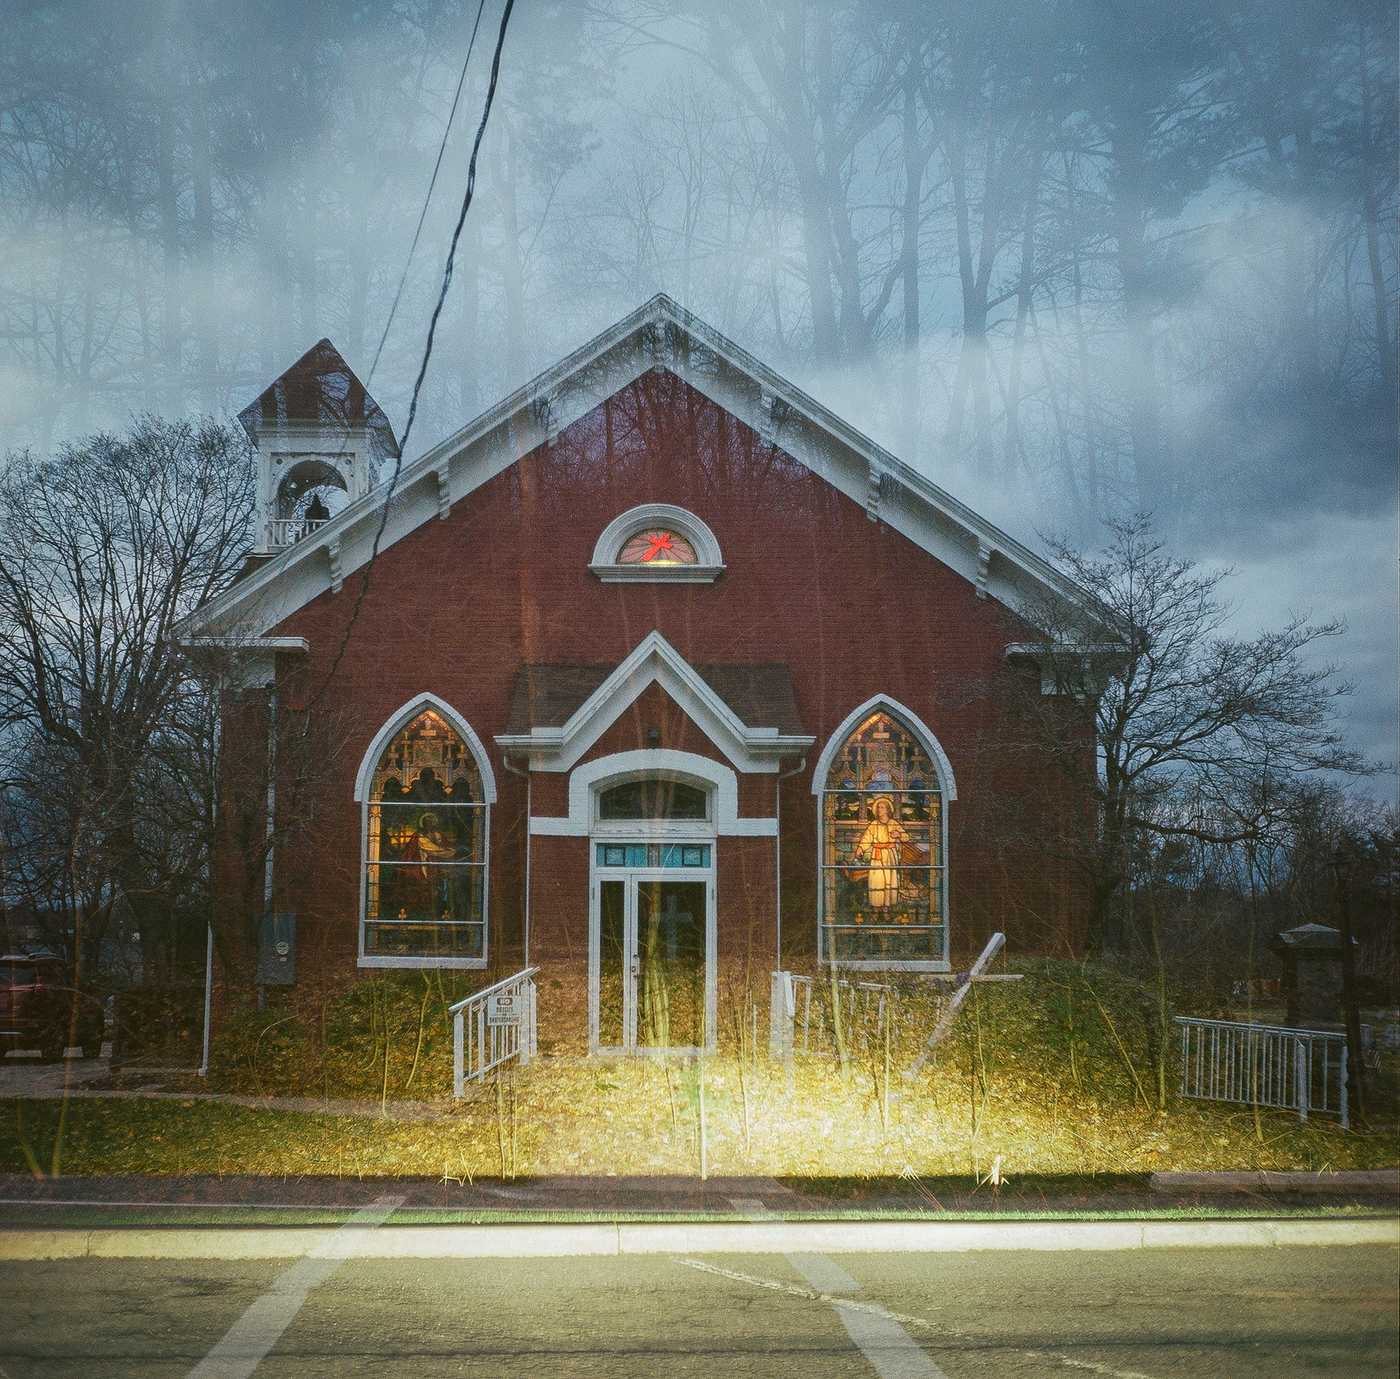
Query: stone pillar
pixel 1312 974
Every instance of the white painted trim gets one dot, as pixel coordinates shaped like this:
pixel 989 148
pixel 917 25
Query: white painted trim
pixel 910 720
pixel 457 964
pixel 657 574
pixel 709 562
pixel 585 781
pixel 295 645
pixel 405 715
pixel 714 365
pixel 653 660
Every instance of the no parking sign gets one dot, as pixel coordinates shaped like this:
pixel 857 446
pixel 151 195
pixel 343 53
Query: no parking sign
pixel 505 1008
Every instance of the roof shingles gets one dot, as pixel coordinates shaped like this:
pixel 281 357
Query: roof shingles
pixel 760 696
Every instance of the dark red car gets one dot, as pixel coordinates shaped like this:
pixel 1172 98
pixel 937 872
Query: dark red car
pixel 39 1009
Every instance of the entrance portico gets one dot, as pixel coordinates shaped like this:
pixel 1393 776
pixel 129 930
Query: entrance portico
pixel 658 857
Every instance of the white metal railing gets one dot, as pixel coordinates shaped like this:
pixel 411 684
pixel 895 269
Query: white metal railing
pixel 492 1026
pixel 287 531
pixel 793 1025
pixel 1298 1070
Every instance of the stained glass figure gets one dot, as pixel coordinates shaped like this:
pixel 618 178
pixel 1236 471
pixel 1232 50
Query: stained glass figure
pixel 882 868
pixel 425 857
pixel 657 546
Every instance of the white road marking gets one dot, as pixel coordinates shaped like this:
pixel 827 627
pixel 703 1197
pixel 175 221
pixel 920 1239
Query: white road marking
pixel 828 1278
pixel 891 1351
pixel 254 1334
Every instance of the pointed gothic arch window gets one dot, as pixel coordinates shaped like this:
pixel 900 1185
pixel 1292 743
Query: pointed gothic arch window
pixel 883 842
pixel 427 817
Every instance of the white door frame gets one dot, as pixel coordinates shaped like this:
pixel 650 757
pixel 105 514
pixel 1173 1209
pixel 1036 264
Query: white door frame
pixel 629 877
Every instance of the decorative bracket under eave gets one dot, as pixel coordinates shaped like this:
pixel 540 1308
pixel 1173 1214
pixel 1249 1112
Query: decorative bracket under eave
pixel 984 564
pixel 873 477
pixel 444 492
pixel 337 574
pixel 767 421
pixel 551 419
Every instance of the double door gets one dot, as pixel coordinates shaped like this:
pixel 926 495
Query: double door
pixel 652 975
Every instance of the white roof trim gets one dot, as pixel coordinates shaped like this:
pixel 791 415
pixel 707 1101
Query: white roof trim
pixel 653 660
pixel 397 721
pixel 295 645
pixel 648 338
pixel 916 725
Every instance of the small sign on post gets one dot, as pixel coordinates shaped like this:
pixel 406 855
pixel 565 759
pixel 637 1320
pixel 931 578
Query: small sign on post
pixel 505 1008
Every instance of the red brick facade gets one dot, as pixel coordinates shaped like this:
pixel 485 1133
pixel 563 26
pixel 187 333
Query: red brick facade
pixel 850 606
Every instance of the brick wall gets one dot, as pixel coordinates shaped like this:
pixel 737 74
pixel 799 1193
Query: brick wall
pixel 852 607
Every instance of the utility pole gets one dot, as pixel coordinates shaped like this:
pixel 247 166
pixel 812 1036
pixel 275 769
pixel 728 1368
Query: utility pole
pixel 1355 1068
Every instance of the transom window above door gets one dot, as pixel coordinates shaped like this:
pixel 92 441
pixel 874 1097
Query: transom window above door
pixel 653 798
pixel 656 543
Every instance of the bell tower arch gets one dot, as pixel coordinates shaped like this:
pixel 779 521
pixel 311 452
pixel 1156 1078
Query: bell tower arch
pixel 320 439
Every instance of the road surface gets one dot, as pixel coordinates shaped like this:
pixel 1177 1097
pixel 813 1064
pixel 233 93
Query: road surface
pixel 1182 1313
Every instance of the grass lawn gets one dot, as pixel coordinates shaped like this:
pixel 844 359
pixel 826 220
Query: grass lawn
pixel 1052 1075
pixel 567 1117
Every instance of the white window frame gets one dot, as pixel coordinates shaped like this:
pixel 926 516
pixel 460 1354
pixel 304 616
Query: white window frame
pixel 948 791
pixel 364 780
pixel 709 563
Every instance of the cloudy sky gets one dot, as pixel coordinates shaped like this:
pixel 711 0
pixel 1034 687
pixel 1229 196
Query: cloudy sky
pixel 1072 258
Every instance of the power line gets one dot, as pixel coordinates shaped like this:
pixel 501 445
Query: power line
pixel 432 183
pixel 427 345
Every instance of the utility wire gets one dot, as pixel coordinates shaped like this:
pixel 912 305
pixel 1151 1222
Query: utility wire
pixel 432 182
pixel 427 348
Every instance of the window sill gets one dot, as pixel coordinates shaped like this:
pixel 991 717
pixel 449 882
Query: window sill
pixel 652 574
pixel 464 964
pixel 889 965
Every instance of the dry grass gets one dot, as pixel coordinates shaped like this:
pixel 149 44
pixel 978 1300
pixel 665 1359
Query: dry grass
pixel 1049 1076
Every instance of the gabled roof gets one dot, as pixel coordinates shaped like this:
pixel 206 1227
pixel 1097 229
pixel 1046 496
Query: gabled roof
pixel 659 334
pixel 321 389
pixel 546 696
pixel 556 718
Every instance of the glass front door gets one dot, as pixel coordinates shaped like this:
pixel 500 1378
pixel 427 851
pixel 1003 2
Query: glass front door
pixel 669 964
pixel 652 979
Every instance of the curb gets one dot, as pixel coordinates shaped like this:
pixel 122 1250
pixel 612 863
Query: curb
pixel 1267 1180
pixel 740 1237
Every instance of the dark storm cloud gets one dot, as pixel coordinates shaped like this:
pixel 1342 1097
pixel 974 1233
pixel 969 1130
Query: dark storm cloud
pixel 191 195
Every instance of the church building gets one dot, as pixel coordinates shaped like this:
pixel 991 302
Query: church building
pixel 658 668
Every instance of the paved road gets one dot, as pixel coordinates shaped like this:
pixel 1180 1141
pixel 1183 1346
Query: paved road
pixel 1178 1313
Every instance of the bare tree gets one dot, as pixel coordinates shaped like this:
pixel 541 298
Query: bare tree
pixel 104 548
pixel 1183 709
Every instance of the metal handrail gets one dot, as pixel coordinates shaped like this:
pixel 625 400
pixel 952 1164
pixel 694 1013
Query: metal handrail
pixel 791 1031
pixel 1278 1066
pixel 478 1046
pixel 490 990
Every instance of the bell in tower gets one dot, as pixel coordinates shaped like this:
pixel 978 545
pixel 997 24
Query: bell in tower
pixel 321 439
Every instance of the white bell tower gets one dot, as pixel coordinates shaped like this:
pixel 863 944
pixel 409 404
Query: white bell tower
pixel 320 438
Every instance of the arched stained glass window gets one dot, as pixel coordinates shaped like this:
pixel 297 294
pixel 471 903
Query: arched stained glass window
pixel 425 854
pixel 882 867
